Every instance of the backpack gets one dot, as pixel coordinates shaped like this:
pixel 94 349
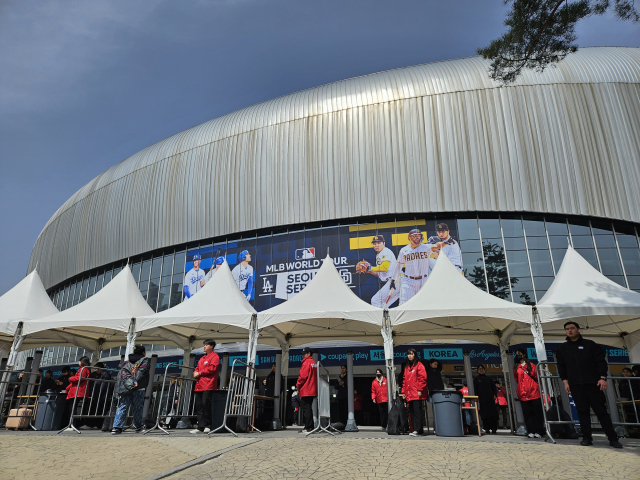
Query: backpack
pixel 398 422
pixel 127 376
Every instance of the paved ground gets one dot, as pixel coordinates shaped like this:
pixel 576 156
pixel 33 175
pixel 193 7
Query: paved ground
pixel 369 453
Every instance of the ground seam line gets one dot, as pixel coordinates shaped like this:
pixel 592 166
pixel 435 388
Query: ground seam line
pixel 200 460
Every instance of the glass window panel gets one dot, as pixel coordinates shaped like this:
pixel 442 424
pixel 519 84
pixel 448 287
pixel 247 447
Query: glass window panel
pixel 135 271
pixel 99 282
pixel 619 279
pixel 634 282
pixel 579 227
pixel 158 348
pixel 542 283
pixel 525 298
pixel 589 255
pixel 631 260
pixel 540 263
pixel 145 270
pixel 152 295
pixel 156 267
pixel 605 241
pixel 85 287
pixel 92 286
pixel 178 264
pixel 468 246
pixel 582 241
pixel 490 228
pixel 601 228
pixel 627 241
pixel 537 243
pixel 559 242
pixel 558 257
pixel 76 294
pixel 107 277
pixel 511 227
pixel 518 263
pixel 474 272
pixel 493 245
pixel 468 229
pixel 516 243
pixel 116 271
pixel 541 293
pixel 167 264
pixel 496 268
pixel 521 284
pixel 534 227
pixel 609 261
pixel 557 227
pixel 65 297
pixel 471 259
pixel 144 286
pixel 164 297
pixel 176 290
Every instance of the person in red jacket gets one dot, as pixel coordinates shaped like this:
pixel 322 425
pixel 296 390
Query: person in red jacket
pixel 415 390
pixel 502 403
pixel 206 375
pixel 526 377
pixel 76 387
pixel 307 385
pixel 467 413
pixel 380 397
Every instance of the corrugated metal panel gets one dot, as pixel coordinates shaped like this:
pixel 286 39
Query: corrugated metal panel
pixel 428 138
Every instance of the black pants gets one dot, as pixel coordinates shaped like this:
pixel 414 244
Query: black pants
pixel 415 410
pixel 384 414
pixel 343 410
pixel 587 396
pixel 533 417
pixel 203 409
pixel 68 409
pixel 504 412
pixel 307 412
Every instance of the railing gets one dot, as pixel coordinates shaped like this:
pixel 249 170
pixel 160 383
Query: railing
pixel 19 404
pixel 324 402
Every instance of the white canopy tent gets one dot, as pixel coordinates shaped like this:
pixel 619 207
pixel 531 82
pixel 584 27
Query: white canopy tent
pixel 107 319
pixel 607 312
pixel 219 311
pixel 25 302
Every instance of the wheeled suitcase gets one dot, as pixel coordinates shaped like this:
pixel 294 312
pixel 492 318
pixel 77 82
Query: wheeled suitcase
pixel 19 418
pixel 50 411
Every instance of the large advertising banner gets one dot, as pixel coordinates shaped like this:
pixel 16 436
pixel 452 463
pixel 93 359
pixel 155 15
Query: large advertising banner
pixel 384 263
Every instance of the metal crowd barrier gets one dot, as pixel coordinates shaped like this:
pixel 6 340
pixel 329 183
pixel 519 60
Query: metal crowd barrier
pixel 625 408
pixel 176 399
pixel 324 402
pixel 18 401
pixel 239 402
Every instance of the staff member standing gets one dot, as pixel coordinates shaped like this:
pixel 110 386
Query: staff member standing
pixel 307 385
pixel 528 392
pixel 206 375
pixel 414 388
pixel 487 395
pixel 583 369
pixel 380 397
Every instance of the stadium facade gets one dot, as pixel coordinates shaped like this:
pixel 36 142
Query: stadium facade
pixel 508 176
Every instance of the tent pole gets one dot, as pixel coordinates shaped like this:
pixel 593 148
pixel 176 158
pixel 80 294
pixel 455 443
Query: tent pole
pixel 468 372
pixel 632 343
pixel 541 350
pixel 276 423
pixel 95 354
pixel 314 405
pixel 18 338
pixel 503 344
pixel 284 371
pixel 351 420
pixel 131 337
pixel 223 372
pixel 253 341
pixel 387 336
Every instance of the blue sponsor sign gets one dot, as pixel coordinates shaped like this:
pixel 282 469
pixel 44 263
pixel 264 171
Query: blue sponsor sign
pixel 440 353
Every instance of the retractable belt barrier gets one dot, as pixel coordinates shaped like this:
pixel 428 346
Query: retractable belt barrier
pixel 625 394
pixel 176 400
pixel 324 402
pixel 99 399
pixel 240 396
pixel 20 391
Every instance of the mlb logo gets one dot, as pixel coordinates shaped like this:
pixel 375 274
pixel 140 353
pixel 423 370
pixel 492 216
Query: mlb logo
pixel 305 253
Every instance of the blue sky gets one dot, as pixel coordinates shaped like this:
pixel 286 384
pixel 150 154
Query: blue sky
pixel 85 84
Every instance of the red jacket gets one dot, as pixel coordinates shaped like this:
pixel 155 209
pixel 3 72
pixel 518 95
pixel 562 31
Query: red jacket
pixel 308 378
pixel 465 393
pixel 80 387
pixel 357 402
pixel 415 380
pixel 502 396
pixel 208 369
pixel 379 391
pixel 527 386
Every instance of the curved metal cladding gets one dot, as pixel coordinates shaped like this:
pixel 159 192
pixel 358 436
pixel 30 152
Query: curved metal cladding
pixel 438 137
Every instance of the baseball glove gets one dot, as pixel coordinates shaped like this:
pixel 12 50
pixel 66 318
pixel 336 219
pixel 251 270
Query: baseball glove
pixel 363 266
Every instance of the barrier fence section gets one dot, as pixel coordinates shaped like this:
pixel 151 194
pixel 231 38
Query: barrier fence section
pixel 95 399
pixel 622 399
pixel 19 403
pixel 239 403
pixel 324 402
pixel 175 403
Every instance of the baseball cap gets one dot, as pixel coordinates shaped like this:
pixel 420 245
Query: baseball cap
pixel 197 257
pixel 415 231
pixel 307 350
pixel 377 238
pixel 219 261
pixel 441 227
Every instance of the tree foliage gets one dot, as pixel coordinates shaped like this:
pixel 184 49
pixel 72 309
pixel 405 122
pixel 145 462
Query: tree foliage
pixel 542 32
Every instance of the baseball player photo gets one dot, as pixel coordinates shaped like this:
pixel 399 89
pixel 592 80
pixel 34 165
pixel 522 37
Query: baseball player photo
pixel 214 268
pixel 383 269
pixel 444 243
pixel 415 260
pixel 243 274
pixel 194 279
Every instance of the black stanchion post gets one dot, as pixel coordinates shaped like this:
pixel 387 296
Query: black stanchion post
pixel 351 419
pixel 277 423
pixel 148 394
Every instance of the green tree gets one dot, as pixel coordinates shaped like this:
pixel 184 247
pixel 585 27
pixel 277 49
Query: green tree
pixel 542 32
pixel 496 267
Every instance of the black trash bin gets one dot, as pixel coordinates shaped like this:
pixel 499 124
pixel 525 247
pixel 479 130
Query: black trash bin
pixel 218 404
pixel 50 411
pixel 447 412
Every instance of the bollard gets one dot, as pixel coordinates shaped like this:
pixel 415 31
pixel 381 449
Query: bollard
pixel 351 420
pixel 223 373
pixel 314 407
pixel 276 424
pixel 149 392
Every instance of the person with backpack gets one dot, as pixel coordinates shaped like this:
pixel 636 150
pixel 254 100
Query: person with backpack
pixel 526 376
pixel 206 375
pixel 133 379
pixel 415 390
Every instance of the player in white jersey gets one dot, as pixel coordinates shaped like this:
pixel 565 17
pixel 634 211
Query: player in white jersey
pixel 444 243
pixel 243 274
pixel 383 269
pixel 415 259
pixel 214 268
pixel 194 279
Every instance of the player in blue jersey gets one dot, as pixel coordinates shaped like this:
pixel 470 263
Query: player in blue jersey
pixel 243 274
pixel 194 279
